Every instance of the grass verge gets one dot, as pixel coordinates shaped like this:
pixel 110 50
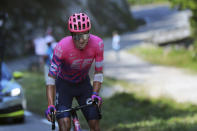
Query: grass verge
pixel 125 111
pixel 145 2
pixel 35 92
pixel 181 58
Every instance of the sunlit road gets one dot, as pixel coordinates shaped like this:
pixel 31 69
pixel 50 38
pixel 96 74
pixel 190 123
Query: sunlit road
pixel 156 17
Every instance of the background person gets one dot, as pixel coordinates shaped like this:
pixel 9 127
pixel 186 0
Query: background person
pixel 48 56
pixel 49 37
pixel 40 48
pixel 116 44
pixel 68 73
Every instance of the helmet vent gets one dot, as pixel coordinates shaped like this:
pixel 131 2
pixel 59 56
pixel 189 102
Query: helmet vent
pixel 79 24
pixel 84 26
pixel 88 24
pixel 75 27
pixel 78 17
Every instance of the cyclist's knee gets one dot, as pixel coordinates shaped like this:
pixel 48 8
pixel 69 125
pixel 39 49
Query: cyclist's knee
pixel 64 124
pixel 94 125
pixel 95 129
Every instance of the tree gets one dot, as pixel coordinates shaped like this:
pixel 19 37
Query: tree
pixel 192 5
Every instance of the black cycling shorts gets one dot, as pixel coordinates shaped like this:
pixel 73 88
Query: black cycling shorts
pixel 66 91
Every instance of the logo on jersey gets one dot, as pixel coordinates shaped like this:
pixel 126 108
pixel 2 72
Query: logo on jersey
pixel 86 62
pixel 76 64
pixel 81 63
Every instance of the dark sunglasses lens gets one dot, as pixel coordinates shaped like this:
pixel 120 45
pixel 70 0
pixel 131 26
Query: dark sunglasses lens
pixel 76 37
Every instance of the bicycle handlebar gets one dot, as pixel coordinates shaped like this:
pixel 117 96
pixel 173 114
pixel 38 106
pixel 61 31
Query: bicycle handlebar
pixel 89 103
pixel 77 107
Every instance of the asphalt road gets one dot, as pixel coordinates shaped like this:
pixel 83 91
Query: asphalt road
pixel 32 122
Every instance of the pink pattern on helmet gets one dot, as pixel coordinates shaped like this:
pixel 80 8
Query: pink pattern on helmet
pixel 79 22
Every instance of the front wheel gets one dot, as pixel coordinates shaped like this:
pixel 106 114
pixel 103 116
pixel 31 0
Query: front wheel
pixel 76 125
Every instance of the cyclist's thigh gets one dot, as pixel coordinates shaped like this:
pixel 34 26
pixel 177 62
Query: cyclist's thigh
pixel 64 97
pixel 86 89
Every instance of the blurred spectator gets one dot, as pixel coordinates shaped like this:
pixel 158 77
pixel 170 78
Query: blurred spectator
pixel 49 37
pixel 116 44
pixel 40 48
pixel 48 57
pixel 51 43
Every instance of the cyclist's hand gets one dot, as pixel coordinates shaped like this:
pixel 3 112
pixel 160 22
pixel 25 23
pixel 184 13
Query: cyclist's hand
pixel 96 97
pixel 49 111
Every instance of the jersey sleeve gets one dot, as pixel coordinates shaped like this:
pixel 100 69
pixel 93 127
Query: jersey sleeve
pixel 99 57
pixel 56 61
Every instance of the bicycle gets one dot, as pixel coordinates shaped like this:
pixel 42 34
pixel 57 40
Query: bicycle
pixel 73 110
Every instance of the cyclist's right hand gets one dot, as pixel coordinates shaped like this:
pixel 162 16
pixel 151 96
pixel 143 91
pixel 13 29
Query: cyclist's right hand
pixel 49 111
pixel 95 97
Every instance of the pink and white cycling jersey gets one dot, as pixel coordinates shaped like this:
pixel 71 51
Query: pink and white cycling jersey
pixel 72 64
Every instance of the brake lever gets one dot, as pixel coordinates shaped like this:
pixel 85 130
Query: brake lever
pixel 53 120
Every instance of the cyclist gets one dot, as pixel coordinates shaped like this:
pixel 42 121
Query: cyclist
pixel 68 73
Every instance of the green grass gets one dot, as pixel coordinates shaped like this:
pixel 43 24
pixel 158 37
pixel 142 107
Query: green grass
pixel 144 2
pixel 35 91
pixel 181 58
pixel 124 111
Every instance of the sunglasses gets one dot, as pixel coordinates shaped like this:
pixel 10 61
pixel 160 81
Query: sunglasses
pixel 77 37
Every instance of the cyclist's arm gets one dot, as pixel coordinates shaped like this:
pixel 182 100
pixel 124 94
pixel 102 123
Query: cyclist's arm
pixel 98 75
pixel 97 84
pixel 50 94
pixel 53 70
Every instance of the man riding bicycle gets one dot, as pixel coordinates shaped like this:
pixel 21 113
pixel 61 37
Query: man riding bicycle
pixel 68 73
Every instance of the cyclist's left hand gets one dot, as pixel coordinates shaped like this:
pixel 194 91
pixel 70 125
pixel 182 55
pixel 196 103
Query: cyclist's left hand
pixel 97 97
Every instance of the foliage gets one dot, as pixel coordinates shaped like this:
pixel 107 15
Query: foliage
pixel 35 92
pixel 113 10
pixel 181 4
pixel 192 5
pixel 30 18
pixel 143 2
pixel 26 20
pixel 126 112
